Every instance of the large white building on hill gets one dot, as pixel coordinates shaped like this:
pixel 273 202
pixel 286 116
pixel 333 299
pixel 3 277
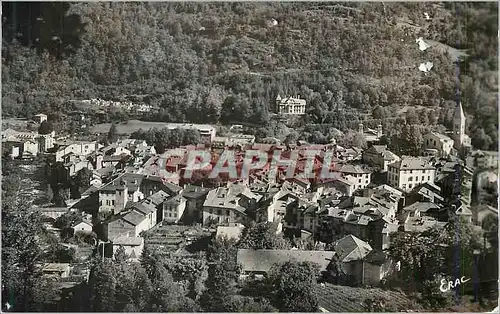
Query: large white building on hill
pixel 290 105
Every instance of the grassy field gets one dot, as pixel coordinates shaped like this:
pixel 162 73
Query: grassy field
pixel 129 127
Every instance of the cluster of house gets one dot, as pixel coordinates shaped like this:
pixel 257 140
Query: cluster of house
pixel 27 145
pixel 375 194
pixel 100 103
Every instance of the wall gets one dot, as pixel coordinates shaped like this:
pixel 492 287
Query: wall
pixel 401 178
pixel 359 181
pixel 225 216
pixel 106 201
pixel 120 227
pixel 136 249
pixel 372 274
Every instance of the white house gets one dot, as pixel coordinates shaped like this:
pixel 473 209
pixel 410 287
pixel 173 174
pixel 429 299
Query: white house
pixel 82 227
pixel 356 175
pixel 410 172
pixel 39 118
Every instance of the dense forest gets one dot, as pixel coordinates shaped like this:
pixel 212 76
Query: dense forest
pixel 226 62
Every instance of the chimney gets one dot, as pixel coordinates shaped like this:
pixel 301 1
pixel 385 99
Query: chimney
pixel 360 128
pixel 379 130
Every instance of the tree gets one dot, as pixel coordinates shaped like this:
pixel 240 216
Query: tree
pixel 295 286
pixel 412 117
pixel 223 272
pixel 102 285
pixel 46 26
pixel 67 219
pixel 432 297
pixel 22 239
pixel 291 138
pixel 420 256
pixel 379 112
pixel 82 179
pixel 45 127
pixel 166 294
pixel 353 139
pixel 112 134
pixel 238 304
pixel 263 236
pixel 120 255
pixel 480 139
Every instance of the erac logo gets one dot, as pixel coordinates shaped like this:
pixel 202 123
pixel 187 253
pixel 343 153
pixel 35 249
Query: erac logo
pixel 446 286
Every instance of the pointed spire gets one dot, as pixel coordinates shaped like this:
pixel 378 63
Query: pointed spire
pixel 459 112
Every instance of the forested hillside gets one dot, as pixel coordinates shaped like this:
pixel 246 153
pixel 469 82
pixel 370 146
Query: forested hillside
pixel 226 62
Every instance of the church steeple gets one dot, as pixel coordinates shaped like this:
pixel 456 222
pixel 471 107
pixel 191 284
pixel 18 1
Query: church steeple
pixel 458 126
pixel 459 112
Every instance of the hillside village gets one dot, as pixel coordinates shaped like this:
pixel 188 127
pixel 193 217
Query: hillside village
pixel 130 200
pixel 249 157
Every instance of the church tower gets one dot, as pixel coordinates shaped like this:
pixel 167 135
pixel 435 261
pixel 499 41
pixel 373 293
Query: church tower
pixel 459 126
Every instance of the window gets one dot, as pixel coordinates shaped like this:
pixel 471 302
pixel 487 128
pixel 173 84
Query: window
pixel 113 202
pixel 404 186
pixel 359 181
pixel 410 178
pixel 411 171
pixel 416 178
pixel 410 186
pixel 429 178
pixel 423 171
pixel 219 212
pixel 423 178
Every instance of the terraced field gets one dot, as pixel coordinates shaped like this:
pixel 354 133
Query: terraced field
pixel 348 299
pixel 177 239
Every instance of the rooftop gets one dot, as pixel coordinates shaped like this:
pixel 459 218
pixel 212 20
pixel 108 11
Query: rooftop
pixel 263 260
pixel 421 224
pixel 442 137
pixel 351 248
pixel 413 163
pixel 421 206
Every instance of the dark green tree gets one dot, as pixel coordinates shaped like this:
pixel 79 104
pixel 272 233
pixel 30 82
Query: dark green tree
pixel 263 236
pixel 45 127
pixel 112 134
pixel 295 286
